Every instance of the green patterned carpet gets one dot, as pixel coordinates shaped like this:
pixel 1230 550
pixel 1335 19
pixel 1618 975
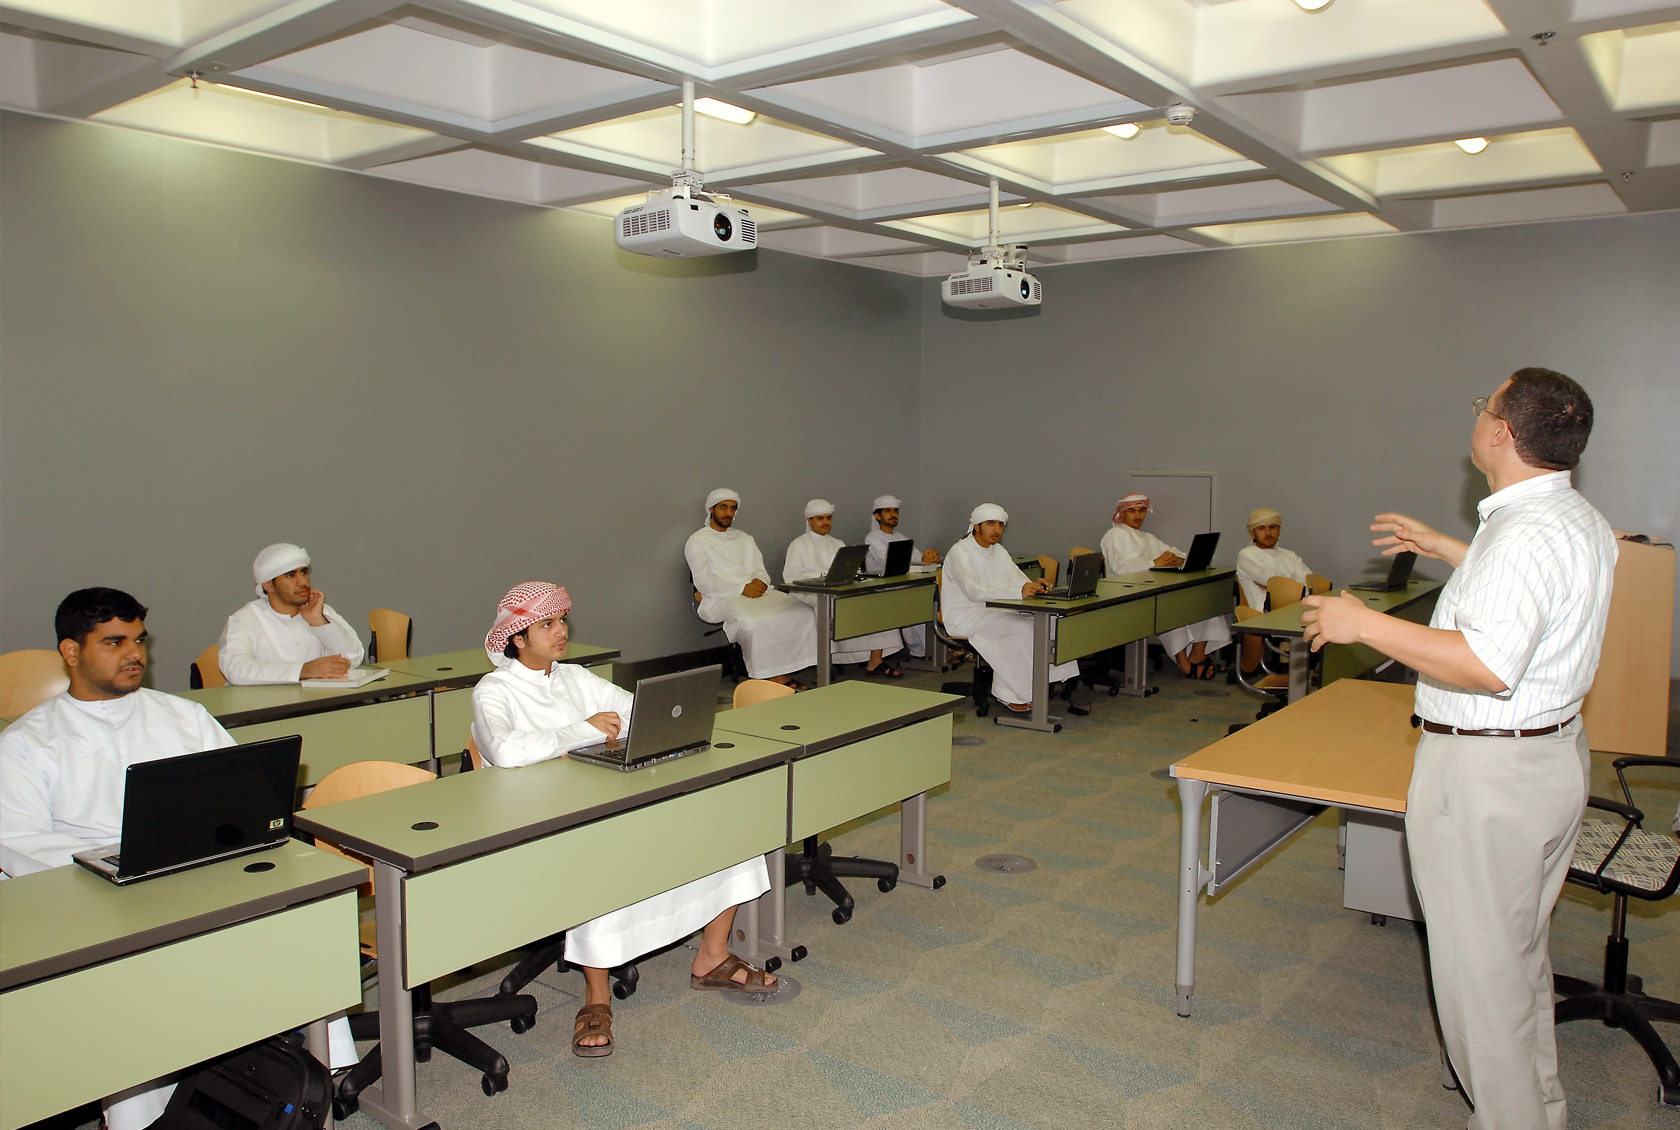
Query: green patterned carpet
pixel 1045 999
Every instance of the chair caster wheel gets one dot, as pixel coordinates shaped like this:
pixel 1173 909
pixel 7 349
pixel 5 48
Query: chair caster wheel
pixel 1668 1096
pixel 343 1108
pixel 800 953
pixel 772 964
pixel 938 881
pixel 1114 692
pixel 1379 920
pixel 520 1025
pixel 885 885
pixel 841 916
pixel 622 991
pixel 492 1084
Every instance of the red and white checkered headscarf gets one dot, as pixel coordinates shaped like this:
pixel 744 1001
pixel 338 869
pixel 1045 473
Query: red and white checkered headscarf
pixel 1133 501
pixel 523 606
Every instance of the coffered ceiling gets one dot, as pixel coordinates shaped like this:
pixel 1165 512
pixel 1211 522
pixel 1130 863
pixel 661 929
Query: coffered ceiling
pixel 877 125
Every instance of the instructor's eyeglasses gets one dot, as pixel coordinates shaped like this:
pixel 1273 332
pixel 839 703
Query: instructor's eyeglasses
pixel 1480 405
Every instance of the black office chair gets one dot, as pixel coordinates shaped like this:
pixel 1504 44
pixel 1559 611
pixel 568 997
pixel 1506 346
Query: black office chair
pixel 980 686
pixel 735 666
pixel 1622 859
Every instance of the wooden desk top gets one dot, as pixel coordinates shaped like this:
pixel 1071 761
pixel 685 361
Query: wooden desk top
pixel 245 706
pixel 1286 621
pixel 57 921
pixel 491 809
pixel 1349 744
pixel 859 588
pixel 464 668
pixel 838 714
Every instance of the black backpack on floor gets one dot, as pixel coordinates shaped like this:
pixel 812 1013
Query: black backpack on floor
pixel 274 1085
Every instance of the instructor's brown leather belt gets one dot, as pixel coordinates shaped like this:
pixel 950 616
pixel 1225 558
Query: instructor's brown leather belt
pixel 1440 728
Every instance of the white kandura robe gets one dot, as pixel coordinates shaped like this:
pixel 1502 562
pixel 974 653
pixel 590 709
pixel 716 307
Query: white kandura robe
pixel 63 768
pixel 877 539
pixel 1256 566
pixel 808 557
pixel 973 576
pixel 521 717
pixel 777 634
pixel 259 645
pixel 1126 550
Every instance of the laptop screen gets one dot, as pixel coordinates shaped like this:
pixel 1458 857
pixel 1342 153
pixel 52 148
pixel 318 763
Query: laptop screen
pixel 183 809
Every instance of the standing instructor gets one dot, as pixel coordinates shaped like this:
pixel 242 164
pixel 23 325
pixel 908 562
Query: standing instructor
pixel 1499 781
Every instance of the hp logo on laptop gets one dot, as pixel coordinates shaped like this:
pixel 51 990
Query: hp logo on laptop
pixel 676 711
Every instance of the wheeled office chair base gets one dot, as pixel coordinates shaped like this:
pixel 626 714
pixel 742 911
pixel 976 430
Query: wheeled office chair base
pixel 1629 1009
pixel 551 951
pixel 442 1025
pixel 820 869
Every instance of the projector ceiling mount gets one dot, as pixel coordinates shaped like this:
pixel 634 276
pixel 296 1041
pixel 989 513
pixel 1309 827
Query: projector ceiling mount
pixel 685 220
pixel 996 276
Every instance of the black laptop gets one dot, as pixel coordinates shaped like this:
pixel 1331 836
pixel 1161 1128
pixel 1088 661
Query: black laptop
pixel 671 717
pixel 847 564
pixel 1399 574
pixel 898 558
pixel 1084 570
pixel 1199 557
pixel 183 812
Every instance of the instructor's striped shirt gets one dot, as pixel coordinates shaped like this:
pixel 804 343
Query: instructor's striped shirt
pixel 1530 597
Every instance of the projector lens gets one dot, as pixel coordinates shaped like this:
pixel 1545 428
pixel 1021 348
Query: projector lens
pixel 722 228
pixel 1026 288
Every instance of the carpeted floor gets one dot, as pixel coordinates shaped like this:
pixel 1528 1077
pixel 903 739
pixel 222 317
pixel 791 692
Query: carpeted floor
pixel 1044 999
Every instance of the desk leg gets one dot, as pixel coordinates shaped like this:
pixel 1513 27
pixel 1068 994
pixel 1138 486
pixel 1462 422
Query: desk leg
pixel 432 763
pixel 317 1044
pixel 766 919
pixel 1191 878
pixel 1300 660
pixel 1039 719
pixel 825 638
pixel 1136 682
pixel 393 1100
pixel 912 845
pixel 936 658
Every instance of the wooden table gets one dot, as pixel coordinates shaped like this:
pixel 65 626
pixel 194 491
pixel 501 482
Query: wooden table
pixel 1415 602
pixel 1348 746
pixel 876 604
pixel 103 988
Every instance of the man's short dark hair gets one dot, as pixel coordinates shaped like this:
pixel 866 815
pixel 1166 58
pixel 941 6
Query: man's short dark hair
pixel 1550 417
pixel 510 649
pixel 85 609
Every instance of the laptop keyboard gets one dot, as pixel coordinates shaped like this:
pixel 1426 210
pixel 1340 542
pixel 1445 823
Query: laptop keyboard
pixel 113 860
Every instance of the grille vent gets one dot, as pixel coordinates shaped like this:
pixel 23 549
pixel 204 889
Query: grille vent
pixel 1035 293
pixel 642 223
pixel 981 285
pixel 749 230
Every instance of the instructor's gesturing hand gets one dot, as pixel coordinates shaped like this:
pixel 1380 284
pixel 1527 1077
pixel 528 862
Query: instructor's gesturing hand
pixel 1408 535
pixel 1332 619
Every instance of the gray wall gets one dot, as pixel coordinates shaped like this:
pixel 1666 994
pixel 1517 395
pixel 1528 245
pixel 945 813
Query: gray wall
pixel 439 396
pixel 1331 380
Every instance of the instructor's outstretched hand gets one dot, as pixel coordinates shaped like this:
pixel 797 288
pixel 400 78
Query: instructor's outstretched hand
pixel 1408 535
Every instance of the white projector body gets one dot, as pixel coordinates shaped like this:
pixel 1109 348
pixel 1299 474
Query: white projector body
pixel 674 225
pixel 991 286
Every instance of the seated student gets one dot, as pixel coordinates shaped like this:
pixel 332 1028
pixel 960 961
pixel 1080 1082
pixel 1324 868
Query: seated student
pixel 1265 559
pixel 289 633
pixel 534 708
pixel 978 569
pixel 777 634
pixel 883 531
pixel 1126 548
pixel 808 557
pixel 63 769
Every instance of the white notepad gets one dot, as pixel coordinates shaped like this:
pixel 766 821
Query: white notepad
pixel 358 677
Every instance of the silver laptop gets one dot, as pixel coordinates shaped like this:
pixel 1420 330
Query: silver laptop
pixel 183 812
pixel 672 717
pixel 1199 557
pixel 1084 571
pixel 847 564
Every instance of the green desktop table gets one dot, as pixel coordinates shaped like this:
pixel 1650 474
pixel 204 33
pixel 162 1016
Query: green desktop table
pixel 473 865
pixel 1416 602
pixel 104 987
pixel 857 609
pixel 862 747
pixel 1127 610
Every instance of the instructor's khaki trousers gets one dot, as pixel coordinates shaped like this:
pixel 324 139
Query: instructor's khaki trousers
pixel 1491 825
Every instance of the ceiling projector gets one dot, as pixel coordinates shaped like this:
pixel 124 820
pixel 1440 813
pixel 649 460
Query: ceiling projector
pixel 991 284
pixel 680 222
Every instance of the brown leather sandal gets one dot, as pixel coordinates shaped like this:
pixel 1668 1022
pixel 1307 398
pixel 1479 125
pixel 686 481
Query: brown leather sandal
pixel 722 977
pixel 592 1020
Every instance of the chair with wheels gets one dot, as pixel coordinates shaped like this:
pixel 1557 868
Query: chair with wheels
pixel 1270 687
pixel 437 1024
pixel 206 670
pixel 1622 859
pixel 28 678
pixel 735 668
pixel 980 687
pixel 816 865
pixel 392 638
pixel 552 949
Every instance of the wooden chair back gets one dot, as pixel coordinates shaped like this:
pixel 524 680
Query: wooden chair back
pixel 206 670
pixel 759 690
pixel 28 678
pixel 357 779
pixel 1317 585
pixel 1285 592
pixel 1079 550
pixel 1253 649
pixel 474 758
pixel 1050 566
pixel 390 634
